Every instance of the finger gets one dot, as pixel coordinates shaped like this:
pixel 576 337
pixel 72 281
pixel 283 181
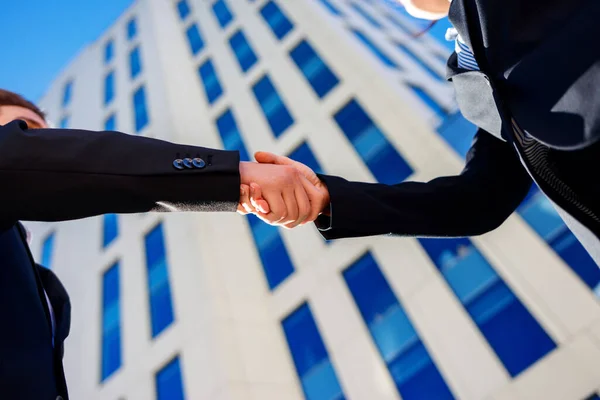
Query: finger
pixel 240 208
pixel 263 205
pixel 316 198
pixel 244 206
pixel 265 157
pixel 304 208
pixel 257 199
pixel 253 189
pixel 289 196
pixel 278 208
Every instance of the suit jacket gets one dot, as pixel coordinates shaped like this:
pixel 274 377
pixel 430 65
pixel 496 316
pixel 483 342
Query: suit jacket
pixel 489 189
pixel 54 175
pixel 61 306
pixel 540 64
pixel 538 68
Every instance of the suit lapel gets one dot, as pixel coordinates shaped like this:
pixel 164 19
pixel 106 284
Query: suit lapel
pixel 59 299
pixel 40 288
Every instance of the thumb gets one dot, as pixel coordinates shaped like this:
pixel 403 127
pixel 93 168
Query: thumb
pixel 265 157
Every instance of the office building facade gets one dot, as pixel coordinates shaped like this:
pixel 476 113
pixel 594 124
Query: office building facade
pixel 220 306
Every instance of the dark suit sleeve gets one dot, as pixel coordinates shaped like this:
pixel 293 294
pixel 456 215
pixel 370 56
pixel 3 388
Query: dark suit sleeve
pixel 63 174
pixel 489 189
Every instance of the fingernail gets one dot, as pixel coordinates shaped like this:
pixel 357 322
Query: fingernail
pixel 243 190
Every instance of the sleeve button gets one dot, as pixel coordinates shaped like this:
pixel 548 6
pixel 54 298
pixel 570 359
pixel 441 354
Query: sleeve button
pixel 178 164
pixel 187 162
pixel 198 163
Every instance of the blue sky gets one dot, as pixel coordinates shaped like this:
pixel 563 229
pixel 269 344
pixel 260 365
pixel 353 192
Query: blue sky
pixel 38 38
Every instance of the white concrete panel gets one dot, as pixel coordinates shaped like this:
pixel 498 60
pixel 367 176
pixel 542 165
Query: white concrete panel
pixel 458 349
pixel 263 351
pixel 595 331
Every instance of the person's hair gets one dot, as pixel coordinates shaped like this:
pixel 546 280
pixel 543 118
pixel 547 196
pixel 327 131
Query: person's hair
pixel 8 98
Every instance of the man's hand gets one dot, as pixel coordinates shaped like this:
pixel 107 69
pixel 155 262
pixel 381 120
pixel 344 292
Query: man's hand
pixel 285 194
pixel 246 207
pixel 251 196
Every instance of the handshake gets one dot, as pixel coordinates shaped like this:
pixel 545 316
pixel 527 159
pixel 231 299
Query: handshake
pixel 281 192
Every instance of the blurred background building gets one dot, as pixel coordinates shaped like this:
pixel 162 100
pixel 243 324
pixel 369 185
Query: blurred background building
pixel 219 306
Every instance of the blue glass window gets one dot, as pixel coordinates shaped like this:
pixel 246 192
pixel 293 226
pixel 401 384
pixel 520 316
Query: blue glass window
pixel 537 210
pixel 109 87
pixel 272 251
pixel 110 124
pixel 108 51
pixel 305 155
pixel 458 132
pixel 320 77
pixel 67 91
pixel 64 122
pixel 368 17
pixel 111 322
pixel 110 229
pixel 140 109
pixel 383 160
pixel 131 29
pixel 183 9
pixel 274 110
pixel 135 62
pixel 230 135
pixel 420 62
pixel 161 306
pixel 222 13
pixel 194 39
pixel 429 101
pixel 516 337
pixel 315 370
pixel 414 372
pixel 374 49
pixel 47 250
pixel 279 23
pixel 331 8
pixel 209 77
pixel 243 51
pixel 169 383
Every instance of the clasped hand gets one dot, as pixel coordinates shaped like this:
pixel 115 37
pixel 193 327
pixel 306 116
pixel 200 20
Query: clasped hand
pixel 281 191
